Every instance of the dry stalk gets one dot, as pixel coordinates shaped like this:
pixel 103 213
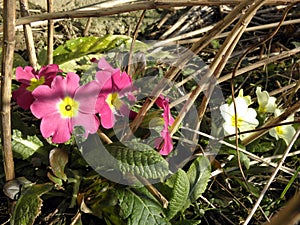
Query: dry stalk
pixel 225 34
pixel 87 27
pixel 252 156
pixel 6 77
pixel 266 187
pixel 239 72
pixel 289 215
pixel 263 62
pixel 218 63
pixel 271 123
pixel 134 6
pixel 28 35
pixel 173 71
pixel 232 84
pixel 50 36
pixel 135 34
pixel 179 22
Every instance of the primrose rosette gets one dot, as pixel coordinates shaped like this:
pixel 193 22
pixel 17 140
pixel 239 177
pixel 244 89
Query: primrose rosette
pixel 98 112
pixel 151 150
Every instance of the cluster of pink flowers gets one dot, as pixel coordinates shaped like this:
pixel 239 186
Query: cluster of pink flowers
pixel 62 103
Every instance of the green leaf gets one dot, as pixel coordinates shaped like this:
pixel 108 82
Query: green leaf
pixel 28 206
pixel 58 159
pixel 180 193
pixel 139 159
pixel 254 190
pixel 25 147
pixel 78 47
pixel 198 174
pixel 188 222
pixel 19 124
pixel 296 43
pixel 54 179
pixel 260 146
pixel 140 208
pixel 245 160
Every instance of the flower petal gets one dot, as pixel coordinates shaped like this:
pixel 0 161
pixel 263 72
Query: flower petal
pixel 45 102
pixel 88 121
pixel 87 96
pixel 249 119
pixel 67 86
pixel 59 130
pixel 23 97
pixel 49 72
pixel 167 145
pixel 122 81
pixel 105 82
pixel 224 109
pixel 262 97
pixel 241 107
pixel 25 75
pixel 105 66
pixel 273 133
pixel 228 129
pixel 287 134
pixel 107 116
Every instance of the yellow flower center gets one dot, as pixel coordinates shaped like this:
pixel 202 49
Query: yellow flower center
pixel 68 107
pixel 239 121
pixel 262 109
pixel 34 83
pixel 279 130
pixel 114 101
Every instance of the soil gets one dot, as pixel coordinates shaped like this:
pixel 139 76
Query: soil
pixel 66 29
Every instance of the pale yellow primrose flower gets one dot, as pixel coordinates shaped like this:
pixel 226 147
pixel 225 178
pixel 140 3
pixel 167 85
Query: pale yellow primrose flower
pixel 286 132
pixel 247 97
pixel 246 117
pixel 266 103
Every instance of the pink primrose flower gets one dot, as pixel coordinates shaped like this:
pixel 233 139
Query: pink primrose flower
pixel 31 79
pixel 113 85
pixel 164 143
pixel 65 105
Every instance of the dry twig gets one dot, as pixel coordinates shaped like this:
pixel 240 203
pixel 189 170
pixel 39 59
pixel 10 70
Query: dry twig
pixel 28 35
pixel 105 10
pixel 50 34
pixel 6 77
pixel 269 183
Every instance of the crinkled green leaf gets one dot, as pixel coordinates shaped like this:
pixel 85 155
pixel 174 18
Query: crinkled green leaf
pixel 198 174
pixel 25 147
pixel 139 159
pixel 78 47
pixel 28 206
pixel 180 193
pixel 139 208
pixel 58 159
